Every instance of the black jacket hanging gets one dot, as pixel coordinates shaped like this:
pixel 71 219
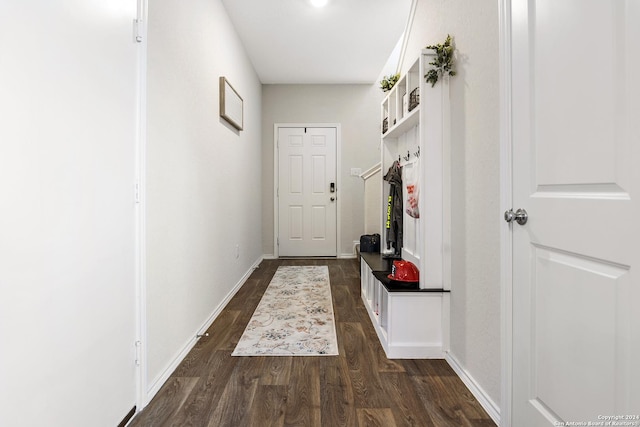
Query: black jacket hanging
pixel 394 208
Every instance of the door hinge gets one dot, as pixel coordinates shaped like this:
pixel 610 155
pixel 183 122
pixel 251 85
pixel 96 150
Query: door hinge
pixel 138 352
pixel 278 241
pixel 137 192
pixel 138 27
pixel 137 30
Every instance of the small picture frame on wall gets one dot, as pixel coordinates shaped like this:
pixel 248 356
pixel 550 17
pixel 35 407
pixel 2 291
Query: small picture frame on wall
pixel 231 104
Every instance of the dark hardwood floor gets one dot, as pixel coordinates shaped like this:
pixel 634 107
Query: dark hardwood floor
pixel 360 387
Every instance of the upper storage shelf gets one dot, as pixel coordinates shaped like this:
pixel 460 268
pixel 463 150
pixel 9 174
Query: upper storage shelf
pixel 401 107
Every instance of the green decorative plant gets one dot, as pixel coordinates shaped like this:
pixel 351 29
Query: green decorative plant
pixel 443 62
pixel 389 82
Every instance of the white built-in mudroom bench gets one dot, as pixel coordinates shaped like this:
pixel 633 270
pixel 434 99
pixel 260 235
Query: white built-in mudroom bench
pixel 412 320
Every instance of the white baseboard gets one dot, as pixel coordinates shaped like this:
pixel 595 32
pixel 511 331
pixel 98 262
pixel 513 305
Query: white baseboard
pixel 413 351
pixel 164 376
pixel 344 255
pixel 353 254
pixel 347 256
pixel 481 396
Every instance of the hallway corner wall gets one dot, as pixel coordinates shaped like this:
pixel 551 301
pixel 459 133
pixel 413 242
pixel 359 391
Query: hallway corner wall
pixel 203 176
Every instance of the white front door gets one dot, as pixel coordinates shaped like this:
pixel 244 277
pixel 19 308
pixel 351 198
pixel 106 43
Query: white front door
pixel 575 74
pixel 307 191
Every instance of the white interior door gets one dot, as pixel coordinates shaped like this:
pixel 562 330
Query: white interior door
pixel 67 248
pixel 576 171
pixel 307 191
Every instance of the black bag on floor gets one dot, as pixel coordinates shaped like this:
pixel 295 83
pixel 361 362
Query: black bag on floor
pixel 370 243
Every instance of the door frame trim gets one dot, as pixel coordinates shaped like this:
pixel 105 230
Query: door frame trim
pixel 506 202
pixel 140 345
pixel 276 213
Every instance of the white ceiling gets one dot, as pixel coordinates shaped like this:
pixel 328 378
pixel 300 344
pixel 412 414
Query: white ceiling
pixel 291 41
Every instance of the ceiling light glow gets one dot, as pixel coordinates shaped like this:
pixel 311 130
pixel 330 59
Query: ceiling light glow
pixel 319 3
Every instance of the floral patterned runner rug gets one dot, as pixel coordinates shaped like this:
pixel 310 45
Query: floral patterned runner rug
pixel 294 316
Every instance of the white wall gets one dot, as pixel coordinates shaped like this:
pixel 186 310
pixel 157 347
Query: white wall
pixel 475 293
pixel 357 109
pixel 372 204
pixel 67 163
pixel 203 181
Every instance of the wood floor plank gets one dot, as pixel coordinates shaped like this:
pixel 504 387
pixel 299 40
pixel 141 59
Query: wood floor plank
pixel 444 408
pixel 268 406
pixel 343 304
pixel 233 333
pixel 169 400
pixel 368 391
pixel 431 367
pixel 351 343
pixel 407 408
pixel 378 357
pixel 457 391
pixel 336 393
pixel 375 417
pixel 248 295
pixel 233 407
pixel 303 397
pixel 197 358
pixel 198 408
pixel 276 370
